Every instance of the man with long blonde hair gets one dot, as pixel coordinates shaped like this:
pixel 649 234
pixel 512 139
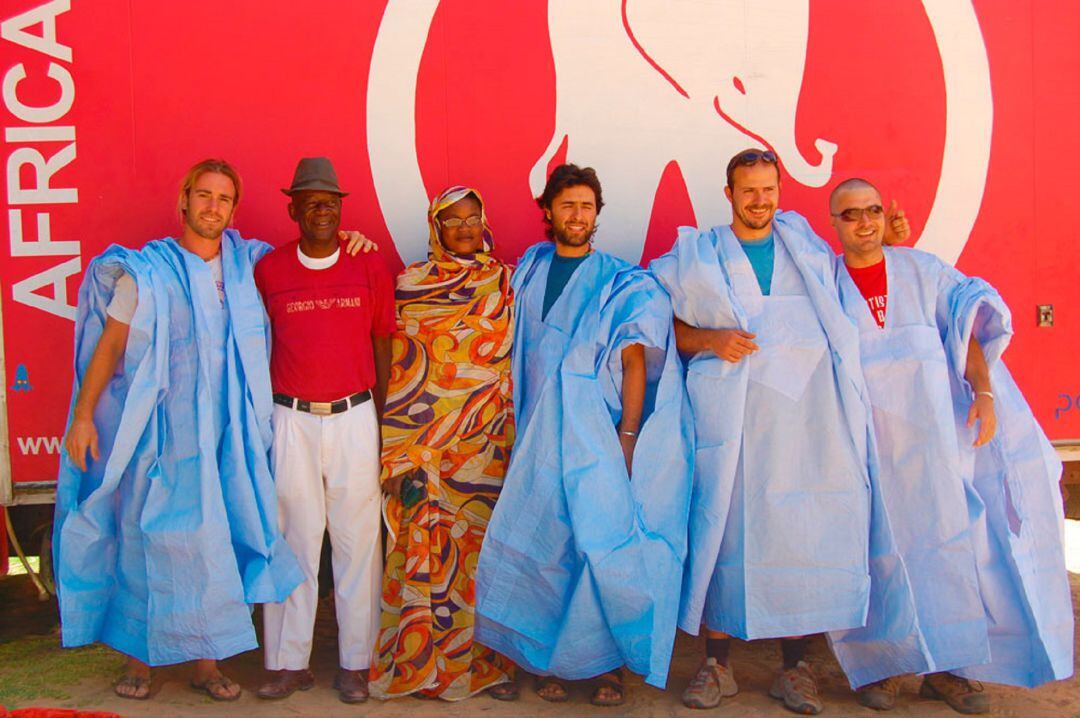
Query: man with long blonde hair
pixel 162 533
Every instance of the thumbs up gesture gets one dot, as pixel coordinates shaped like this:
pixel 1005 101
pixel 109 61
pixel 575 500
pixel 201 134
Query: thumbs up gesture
pixel 897 229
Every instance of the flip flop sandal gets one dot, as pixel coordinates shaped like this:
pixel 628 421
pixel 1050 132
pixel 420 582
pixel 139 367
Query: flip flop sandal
pixel 613 684
pixel 136 682
pixel 216 687
pixel 544 682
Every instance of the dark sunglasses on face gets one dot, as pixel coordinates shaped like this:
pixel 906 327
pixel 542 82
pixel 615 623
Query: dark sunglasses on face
pixel 854 214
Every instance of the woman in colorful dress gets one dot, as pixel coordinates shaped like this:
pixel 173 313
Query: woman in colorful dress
pixel 447 431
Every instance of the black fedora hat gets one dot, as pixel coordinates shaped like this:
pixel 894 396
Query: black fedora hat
pixel 317 174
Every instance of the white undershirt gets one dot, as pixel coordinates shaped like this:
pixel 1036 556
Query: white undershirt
pixel 317 262
pixel 126 295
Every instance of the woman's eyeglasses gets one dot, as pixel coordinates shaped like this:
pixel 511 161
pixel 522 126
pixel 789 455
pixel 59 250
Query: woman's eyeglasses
pixel 455 222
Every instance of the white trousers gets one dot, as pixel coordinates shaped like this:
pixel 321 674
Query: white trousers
pixel 327 474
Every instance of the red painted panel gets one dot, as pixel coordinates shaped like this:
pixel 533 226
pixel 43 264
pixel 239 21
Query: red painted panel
pixel 160 85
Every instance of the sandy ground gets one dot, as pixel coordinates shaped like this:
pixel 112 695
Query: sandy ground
pixel 754 665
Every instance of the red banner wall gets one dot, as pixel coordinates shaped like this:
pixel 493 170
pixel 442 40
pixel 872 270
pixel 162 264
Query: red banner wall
pixel 107 103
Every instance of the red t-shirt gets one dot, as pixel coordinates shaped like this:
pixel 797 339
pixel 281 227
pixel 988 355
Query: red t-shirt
pixel 323 321
pixel 873 284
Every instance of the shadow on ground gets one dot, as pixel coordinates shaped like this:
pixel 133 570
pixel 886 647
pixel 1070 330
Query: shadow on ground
pixel 34 670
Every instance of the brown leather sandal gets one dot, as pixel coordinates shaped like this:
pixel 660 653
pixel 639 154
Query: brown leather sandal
pixel 613 681
pixel 559 693
pixel 505 691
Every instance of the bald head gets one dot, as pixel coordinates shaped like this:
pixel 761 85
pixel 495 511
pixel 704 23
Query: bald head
pixel 859 221
pixel 855 183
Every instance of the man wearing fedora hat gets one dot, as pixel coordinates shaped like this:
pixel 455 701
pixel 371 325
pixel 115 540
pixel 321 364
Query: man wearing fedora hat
pixel 331 317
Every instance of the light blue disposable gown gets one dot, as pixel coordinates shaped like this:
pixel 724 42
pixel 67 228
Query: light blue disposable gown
pixel 979 531
pixel 162 545
pixel 779 519
pixel 580 567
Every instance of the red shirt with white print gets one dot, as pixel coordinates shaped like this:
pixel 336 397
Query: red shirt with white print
pixel 873 284
pixel 323 321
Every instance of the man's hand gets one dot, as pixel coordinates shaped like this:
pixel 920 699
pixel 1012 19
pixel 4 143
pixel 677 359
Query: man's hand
pixel 982 410
pixel 82 435
pixel 897 229
pixel 356 242
pixel 732 344
pixel 628 443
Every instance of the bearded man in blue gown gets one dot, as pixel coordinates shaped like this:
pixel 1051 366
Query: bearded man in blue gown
pixel 581 562
pixel 779 531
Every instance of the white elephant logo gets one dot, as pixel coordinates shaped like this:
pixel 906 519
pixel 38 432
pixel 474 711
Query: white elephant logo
pixel 642 83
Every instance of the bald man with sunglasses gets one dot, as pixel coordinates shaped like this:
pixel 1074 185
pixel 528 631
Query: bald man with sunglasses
pixel 974 513
pixel 780 516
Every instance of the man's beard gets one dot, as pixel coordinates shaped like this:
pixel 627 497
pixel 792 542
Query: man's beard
pixel 754 223
pixel 205 231
pixel 562 237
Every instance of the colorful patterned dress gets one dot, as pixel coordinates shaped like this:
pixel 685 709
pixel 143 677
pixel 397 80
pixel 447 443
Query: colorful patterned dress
pixel 449 415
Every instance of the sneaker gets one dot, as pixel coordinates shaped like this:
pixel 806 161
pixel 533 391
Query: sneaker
pixel 797 688
pixel 880 696
pixel 962 695
pixel 711 683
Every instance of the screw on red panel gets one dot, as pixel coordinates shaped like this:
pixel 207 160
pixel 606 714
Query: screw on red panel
pixel 1045 315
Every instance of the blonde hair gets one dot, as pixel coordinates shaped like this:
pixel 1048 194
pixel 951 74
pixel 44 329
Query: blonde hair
pixel 210 165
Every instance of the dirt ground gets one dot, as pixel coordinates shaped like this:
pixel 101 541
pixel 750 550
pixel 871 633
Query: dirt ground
pixel 34 671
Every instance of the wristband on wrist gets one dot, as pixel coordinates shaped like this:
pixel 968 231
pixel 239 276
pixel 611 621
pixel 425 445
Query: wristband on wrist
pixel 629 433
pixel 985 393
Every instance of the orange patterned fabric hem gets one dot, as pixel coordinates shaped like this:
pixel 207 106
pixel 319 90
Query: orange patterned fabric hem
pixel 447 431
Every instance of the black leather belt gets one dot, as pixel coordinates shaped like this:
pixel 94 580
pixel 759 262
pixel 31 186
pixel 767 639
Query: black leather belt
pixel 323 408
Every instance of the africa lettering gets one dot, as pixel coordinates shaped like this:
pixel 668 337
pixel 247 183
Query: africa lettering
pixel 40 146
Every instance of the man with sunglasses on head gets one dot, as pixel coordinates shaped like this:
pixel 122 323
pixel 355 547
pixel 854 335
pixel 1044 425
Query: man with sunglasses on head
pixel 332 316
pixel 980 590
pixel 779 522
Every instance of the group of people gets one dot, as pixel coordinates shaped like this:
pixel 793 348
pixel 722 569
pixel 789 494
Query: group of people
pixel 571 457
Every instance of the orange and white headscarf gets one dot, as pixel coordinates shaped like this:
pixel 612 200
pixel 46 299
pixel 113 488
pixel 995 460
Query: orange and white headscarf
pixel 451 352
pixel 437 252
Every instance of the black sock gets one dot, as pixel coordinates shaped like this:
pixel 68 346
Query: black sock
pixel 718 648
pixel 793 650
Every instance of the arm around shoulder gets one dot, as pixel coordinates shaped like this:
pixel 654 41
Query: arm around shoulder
pixel 731 345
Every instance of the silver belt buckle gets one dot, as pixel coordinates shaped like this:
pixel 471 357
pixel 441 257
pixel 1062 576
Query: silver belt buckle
pixel 320 408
